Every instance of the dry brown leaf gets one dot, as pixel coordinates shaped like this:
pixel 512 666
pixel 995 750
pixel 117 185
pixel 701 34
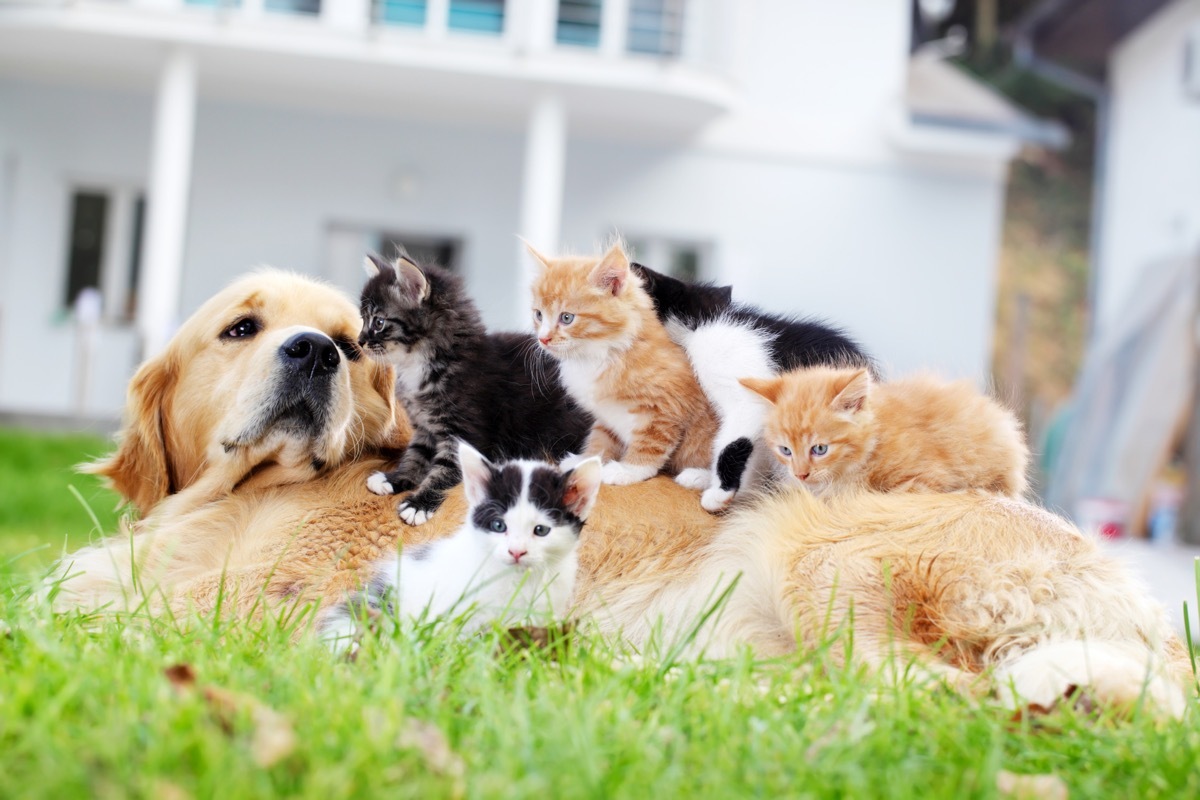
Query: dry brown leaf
pixel 1031 787
pixel 428 740
pixel 273 738
pixel 165 790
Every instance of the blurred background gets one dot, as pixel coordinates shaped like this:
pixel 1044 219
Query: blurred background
pixel 1004 191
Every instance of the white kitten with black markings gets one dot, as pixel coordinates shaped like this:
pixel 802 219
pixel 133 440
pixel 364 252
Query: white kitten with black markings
pixel 513 561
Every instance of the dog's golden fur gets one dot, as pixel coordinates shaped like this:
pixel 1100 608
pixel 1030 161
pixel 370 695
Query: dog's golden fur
pixel 980 591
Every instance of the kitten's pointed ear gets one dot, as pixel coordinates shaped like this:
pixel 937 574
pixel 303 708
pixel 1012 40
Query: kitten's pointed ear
pixel 853 396
pixel 724 295
pixel 768 388
pixel 411 278
pixel 476 472
pixel 541 260
pixel 373 265
pixel 583 486
pixel 612 273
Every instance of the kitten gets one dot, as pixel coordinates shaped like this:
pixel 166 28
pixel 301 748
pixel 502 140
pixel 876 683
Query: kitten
pixel 496 391
pixel 617 361
pixel 513 561
pixel 835 429
pixel 726 341
pixel 674 298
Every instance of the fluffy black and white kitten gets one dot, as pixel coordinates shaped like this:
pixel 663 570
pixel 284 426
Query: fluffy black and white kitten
pixel 513 561
pixel 457 381
pixel 726 341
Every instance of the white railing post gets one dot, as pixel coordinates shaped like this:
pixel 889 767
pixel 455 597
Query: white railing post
pixel 353 16
pixel 614 27
pixel 167 201
pixel 437 18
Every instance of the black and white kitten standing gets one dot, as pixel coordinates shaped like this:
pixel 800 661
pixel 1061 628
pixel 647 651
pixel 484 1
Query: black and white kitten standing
pixel 726 341
pixel 513 561
pixel 457 381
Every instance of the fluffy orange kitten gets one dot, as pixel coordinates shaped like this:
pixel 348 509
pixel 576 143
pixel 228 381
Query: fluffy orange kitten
pixel 834 428
pixel 617 361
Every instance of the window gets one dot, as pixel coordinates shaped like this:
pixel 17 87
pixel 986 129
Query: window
pixel 400 12
pixel 656 27
pixel 682 259
pixel 104 249
pixel 293 6
pixel 347 245
pixel 478 16
pixel 579 22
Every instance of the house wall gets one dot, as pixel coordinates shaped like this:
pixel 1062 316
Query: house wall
pixel 1151 208
pixel 899 253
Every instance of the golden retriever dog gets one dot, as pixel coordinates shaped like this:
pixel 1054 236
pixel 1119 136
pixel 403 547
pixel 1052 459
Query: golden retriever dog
pixel 247 454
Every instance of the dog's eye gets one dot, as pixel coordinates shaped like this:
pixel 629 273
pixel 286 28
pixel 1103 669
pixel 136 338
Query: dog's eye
pixel 241 329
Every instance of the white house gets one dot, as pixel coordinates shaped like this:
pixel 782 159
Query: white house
pixel 1140 61
pixel 154 149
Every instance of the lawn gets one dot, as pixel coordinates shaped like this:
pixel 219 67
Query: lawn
pixel 182 708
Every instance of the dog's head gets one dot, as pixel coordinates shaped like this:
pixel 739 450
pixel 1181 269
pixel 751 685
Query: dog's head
pixel 265 379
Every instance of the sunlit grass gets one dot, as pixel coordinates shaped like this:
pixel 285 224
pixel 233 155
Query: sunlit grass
pixel 87 710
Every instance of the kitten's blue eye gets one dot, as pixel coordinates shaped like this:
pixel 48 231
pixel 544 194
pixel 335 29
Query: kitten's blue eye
pixel 820 449
pixel 498 526
pixel 537 315
pixel 566 318
pixel 785 450
pixel 541 530
pixel 377 324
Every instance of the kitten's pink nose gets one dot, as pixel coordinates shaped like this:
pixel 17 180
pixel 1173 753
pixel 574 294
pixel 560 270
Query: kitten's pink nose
pixel 803 477
pixel 516 554
pixel 545 340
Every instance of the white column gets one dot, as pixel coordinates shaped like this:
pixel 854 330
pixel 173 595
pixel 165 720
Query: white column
pixel 167 201
pixel 542 189
pixel 614 27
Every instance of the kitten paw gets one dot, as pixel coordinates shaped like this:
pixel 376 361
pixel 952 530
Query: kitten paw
pixel 412 515
pixel 617 474
pixel 378 483
pixel 694 478
pixel 715 499
pixel 571 461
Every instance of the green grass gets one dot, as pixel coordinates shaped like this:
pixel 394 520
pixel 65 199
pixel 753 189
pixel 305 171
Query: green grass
pixel 39 511
pixel 86 710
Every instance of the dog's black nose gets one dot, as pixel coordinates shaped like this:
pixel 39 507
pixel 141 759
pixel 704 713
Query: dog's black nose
pixel 311 353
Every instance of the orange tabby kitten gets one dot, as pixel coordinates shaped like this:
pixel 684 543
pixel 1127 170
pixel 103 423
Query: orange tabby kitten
pixel 834 428
pixel 617 361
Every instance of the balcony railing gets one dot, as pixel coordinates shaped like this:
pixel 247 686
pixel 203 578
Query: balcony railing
pixel 646 27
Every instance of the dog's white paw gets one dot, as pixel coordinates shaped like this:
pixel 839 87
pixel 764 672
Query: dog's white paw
pixel 378 483
pixel 694 478
pixel 716 499
pixel 617 474
pixel 571 461
pixel 414 516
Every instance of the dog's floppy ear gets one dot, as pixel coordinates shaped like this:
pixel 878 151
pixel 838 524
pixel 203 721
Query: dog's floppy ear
pixel 139 469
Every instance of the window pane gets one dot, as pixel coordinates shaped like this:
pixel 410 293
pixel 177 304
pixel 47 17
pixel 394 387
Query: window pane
pixel 579 22
pixel 685 263
pixel 89 213
pixel 294 6
pixel 482 16
pixel 655 26
pixel 436 250
pixel 401 12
